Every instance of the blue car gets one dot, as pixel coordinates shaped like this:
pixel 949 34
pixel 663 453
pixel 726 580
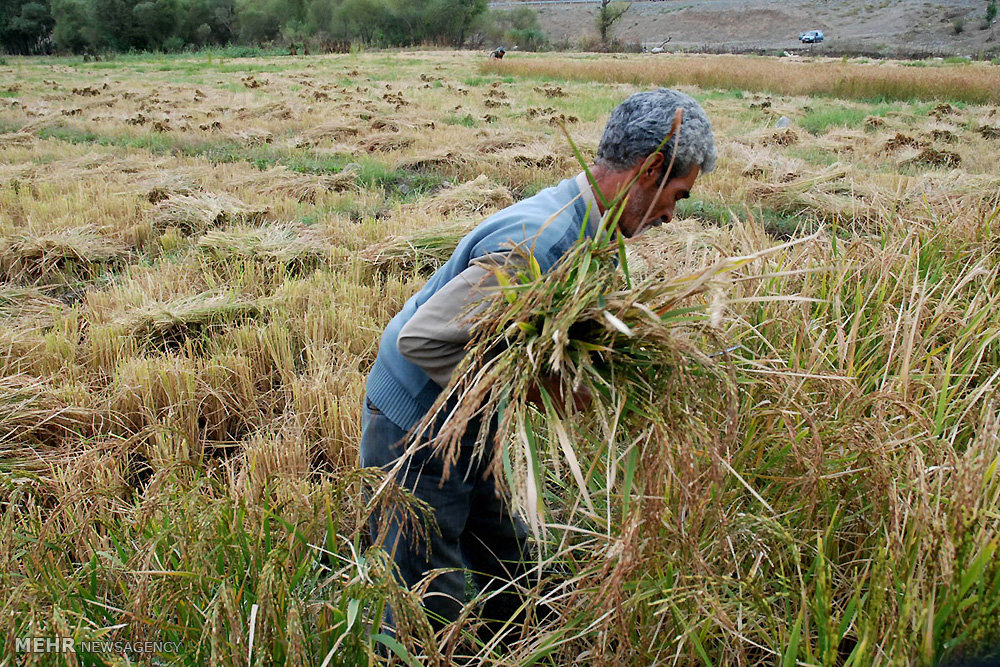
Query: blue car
pixel 811 37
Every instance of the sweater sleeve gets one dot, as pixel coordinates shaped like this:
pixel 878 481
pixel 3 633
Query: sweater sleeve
pixel 435 338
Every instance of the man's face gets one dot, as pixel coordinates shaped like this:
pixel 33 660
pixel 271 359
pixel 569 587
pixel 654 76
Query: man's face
pixel 634 219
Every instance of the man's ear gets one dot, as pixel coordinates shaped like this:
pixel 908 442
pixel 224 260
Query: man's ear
pixel 651 169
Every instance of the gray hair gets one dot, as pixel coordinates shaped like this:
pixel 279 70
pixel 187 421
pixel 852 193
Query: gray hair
pixel 638 126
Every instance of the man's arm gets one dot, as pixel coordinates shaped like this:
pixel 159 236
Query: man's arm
pixel 435 337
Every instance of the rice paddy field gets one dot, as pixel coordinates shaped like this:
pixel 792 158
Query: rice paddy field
pixel 198 255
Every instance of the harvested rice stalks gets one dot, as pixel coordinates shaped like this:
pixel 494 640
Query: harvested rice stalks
pixel 169 325
pixel 831 195
pixel 51 258
pixel 293 246
pixel 28 303
pixel 469 198
pixel 304 187
pixel 11 139
pixel 199 212
pixel 33 412
pixel 422 253
pixel 936 158
pixel 636 350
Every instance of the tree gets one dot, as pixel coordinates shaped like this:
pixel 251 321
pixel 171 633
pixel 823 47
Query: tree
pixel 71 31
pixel 455 18
pixel 608 15
pixel 519 26
pixel 257 22
pixel 362 19
pixel 25 26
pixel 155 21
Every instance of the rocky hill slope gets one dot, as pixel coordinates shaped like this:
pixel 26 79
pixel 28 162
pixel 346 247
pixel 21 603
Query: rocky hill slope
pixel 883 27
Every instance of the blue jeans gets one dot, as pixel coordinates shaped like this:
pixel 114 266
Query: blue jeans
pixel 475 527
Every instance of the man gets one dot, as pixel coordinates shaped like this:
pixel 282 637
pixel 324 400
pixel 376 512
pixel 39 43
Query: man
pixel 498 53
pixel 426 340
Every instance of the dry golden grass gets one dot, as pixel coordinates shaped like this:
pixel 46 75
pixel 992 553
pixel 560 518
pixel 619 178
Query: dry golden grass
pixel 975 84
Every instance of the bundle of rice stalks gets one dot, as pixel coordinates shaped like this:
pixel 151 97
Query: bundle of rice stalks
pixel 253 137
pixel 935 158
pixel 783 137
pixel 955 190
pixel 539 155
pixel 164 186
pixel 423 252
pixel 989 131
pixel 199 212
pixel 386 142
pixel 29 304
pixel 874 123
pixel 303 187
pixel 34 412
pixel 11 139
pixel 845 141
pixel 442 161
pixel 901 141
pixel 472 197
pixel 293 246
pixel 76 253
pixel 833 195
pixel 186 320
pixel 580 330
pixel 329 132
pixel 501 142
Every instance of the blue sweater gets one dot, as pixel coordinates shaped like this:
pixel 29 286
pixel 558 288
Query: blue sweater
pixel 403 391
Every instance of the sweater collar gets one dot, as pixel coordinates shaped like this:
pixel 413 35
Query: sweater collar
pixel 594 221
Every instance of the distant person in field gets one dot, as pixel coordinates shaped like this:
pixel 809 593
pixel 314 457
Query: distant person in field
pixel 427 339
pixel 498 53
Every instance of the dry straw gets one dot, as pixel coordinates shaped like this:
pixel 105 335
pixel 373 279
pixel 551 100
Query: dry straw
pixel 55 256
pixel 293 246
pixel 308 188
pixel 170 325
pixel 472 198
pixel 974 83
pixel 198 212
pixel 423 252
pixel 34 412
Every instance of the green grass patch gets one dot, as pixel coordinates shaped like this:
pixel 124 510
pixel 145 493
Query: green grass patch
pixel 820 120
pixel 8 126
pixel 370 172
pixel 812 155
pixel 153 142
pixel 476 81
pixel 777 224
pixel 468 120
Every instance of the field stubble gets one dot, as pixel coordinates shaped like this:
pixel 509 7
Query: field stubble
pixel 197 265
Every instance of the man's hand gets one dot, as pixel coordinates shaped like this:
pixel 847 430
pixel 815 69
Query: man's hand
pixel 582 398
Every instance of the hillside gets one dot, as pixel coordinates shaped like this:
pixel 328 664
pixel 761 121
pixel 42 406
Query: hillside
pixel 889 27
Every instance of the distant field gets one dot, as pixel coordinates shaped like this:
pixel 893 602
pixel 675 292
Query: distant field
pixel 197 258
